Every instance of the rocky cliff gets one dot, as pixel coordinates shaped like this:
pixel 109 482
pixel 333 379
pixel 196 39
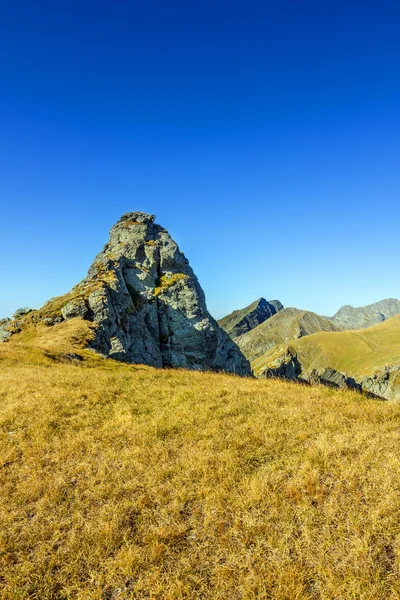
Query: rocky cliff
pixel 241 321
pixel 350 317
pixel 146 304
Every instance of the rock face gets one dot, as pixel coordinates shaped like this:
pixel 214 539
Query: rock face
pixel 147 304
pixel 246 319
pixel 4 333
pixel 366 316
pixel 383 383
pixel 287 367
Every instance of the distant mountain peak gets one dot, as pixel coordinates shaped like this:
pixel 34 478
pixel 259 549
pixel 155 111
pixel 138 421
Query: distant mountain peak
pixel 241 321
pixel 351 317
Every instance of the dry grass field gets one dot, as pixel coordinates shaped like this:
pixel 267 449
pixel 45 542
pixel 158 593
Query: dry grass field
pixel 122 482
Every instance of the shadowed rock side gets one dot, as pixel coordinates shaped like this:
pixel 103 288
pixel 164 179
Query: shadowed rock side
pixel 147 304
pixel 366 316
pixel 242 321
pixel 288 324
pixel 367 360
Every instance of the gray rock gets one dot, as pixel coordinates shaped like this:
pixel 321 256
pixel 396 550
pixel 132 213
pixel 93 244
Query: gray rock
pixel 366 316
pixel 52 320
pixel 148 305
pixel 20 312
pixel 4 334
pixel 288 367
pixel 383 383
pixel 76 308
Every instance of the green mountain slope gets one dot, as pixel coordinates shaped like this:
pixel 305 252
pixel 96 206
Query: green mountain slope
pixel 288 324
pixel 370 357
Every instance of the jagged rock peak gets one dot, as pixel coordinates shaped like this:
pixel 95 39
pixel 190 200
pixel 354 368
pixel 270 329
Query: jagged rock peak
pixel 241 321
pixel 136 217
pixel 361 317
pixel 147 304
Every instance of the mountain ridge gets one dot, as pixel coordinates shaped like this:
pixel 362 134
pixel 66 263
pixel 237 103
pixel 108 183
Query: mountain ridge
pixel 351 317
pixel 245 319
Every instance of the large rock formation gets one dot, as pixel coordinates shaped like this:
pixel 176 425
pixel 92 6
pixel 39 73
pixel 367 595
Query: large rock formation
pixel 366 316
pixel 241 321
pixel 146 303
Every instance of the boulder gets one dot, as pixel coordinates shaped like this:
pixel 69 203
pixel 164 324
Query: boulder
pixel 20 312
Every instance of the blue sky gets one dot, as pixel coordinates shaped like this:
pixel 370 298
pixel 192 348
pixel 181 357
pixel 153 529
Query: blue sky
pixel 265 136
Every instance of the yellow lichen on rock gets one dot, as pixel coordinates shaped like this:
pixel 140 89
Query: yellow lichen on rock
pixel 165 282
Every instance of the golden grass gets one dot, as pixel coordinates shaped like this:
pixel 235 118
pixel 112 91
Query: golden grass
pixel 125 482
pixel 39 344
pixel 167 281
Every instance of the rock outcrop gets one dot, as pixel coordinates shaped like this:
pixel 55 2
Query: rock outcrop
pixel 241 321
pixel 366 316
pixel 146 304
pixel 287 366
pixel 20 312
pixel 4 333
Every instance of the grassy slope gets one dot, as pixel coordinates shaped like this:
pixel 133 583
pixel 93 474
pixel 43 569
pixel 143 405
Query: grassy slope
pixel 37 342
pixel 357 353
pixel 286 325
pixel 228 323
pixel 127 482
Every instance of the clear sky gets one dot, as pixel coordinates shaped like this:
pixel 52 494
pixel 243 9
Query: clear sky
pixel 264 135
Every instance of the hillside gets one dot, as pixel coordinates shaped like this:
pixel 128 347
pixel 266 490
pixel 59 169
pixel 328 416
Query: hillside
pixel 240 321
pixel 286 325
pixel 122 481
pixel 369 356
pixel 350 317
